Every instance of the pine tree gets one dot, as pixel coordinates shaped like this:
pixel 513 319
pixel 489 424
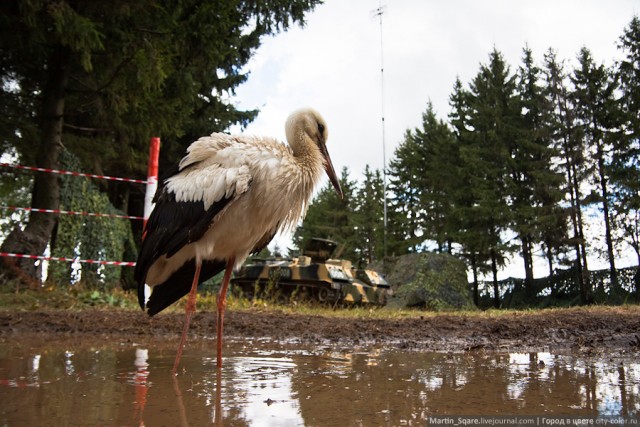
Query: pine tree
pixel 461 220
pixel 493 117
pixel 406 228
pixel 437 151
pixel 533 183
pixel 368 218
pixel 568 144
pixel 593 94
pixel 625 164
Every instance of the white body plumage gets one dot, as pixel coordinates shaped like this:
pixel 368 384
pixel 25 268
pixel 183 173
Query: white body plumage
pixel 229 197
pixel 269 191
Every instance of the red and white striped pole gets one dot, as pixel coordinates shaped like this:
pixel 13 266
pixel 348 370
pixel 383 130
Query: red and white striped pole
pixel 152 177
pixel 152 186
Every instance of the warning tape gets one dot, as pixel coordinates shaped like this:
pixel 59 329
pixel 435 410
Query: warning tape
pixel 62 172
pixel 52 258
pixel 16 208
pixel 151 180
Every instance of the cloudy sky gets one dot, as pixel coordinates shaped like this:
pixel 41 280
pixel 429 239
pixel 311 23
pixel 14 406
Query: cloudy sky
pixel 333 63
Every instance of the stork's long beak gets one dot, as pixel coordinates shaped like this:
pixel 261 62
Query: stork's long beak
pixel 328 167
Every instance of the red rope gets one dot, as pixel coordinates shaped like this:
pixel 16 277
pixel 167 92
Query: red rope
pixel 151 179
pixel 61 172
pixel 16 208
pixel 51 258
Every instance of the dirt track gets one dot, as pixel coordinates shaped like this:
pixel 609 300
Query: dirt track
pixel 583 330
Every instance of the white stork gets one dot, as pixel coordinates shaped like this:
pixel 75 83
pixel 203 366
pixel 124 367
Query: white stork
pixel 227 199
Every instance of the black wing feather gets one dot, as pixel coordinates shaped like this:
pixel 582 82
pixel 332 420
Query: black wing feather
pixel 170 227
pixel 179 285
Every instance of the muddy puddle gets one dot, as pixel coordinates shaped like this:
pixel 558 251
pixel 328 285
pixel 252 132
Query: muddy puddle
pixel 267 384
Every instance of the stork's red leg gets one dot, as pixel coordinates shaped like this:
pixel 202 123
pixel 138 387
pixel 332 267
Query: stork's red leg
pixel 222 304
pixel 191 307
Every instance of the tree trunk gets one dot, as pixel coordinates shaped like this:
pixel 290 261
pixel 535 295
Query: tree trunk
pixel 585 282
pixel 528 269
pixel 474 269
pixel 496 289
pixel 582 268
pixel 33 240
pixel 550 260
pixel 613 274
pixel 636 276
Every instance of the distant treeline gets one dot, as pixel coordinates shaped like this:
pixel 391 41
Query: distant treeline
pixel 561 289
pixel 527 161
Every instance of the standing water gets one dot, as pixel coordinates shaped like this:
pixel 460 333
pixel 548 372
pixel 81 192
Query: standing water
pixel 267 384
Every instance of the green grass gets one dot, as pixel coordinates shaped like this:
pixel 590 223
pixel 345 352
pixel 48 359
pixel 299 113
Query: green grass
pixel 77 298
pixel 65 299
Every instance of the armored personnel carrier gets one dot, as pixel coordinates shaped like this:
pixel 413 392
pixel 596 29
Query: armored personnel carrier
pixel 313 276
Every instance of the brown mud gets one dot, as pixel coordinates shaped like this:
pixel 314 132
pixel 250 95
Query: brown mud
pixel 590 330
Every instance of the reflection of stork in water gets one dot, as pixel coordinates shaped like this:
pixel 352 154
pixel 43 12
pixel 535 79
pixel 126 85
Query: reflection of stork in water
pixel 227 199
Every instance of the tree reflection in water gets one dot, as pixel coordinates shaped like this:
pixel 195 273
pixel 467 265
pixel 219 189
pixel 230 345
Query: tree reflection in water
pixel 265 383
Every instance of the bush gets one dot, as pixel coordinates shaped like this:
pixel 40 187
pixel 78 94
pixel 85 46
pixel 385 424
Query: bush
pixel 430 280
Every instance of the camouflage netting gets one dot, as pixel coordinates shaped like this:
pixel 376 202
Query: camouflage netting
pixel 429 280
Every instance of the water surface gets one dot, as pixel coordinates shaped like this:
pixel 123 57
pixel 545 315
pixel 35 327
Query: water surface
pixel 275 384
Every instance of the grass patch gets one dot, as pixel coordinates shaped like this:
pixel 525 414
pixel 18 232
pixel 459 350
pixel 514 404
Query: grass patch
pixel 70 298
pixel 77 298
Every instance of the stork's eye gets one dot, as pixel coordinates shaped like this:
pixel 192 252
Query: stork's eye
pixel 321 128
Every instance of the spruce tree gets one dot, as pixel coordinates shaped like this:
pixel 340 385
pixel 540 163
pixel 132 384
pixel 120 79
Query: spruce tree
pixel 625 163
pixel 368 217
pixel 493 117
pixel 593 95
pixel 533 182
pixel 568 144
pixel 462 218
pixel 406 231
pixel 437 151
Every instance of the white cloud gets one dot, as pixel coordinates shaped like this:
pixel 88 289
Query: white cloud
pixel 333 64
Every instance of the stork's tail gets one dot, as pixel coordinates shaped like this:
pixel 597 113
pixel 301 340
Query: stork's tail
pixel 177 285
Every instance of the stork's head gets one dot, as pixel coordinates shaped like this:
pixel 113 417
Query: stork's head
pixel 306 130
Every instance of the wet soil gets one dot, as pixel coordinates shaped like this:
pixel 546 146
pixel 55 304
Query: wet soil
pixel 600 329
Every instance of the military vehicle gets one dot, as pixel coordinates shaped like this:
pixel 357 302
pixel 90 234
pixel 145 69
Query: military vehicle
pixel 313 276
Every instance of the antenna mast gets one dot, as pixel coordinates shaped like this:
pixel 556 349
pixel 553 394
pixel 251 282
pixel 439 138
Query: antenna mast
pixel 378 12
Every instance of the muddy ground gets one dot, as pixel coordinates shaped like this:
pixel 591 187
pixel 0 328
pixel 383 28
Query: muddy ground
pixel 600 330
